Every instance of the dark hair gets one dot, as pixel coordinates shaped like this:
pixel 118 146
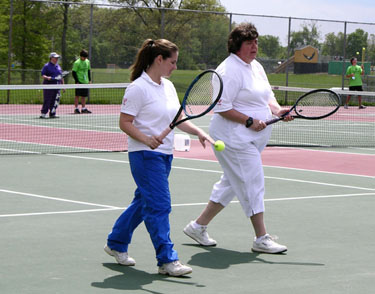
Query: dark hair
pixel 84 53
pixel 244 32
pixel 146 55
pixel 352 59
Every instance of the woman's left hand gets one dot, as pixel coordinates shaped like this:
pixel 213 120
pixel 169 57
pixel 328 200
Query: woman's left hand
pixel 203 137
pixel 288 117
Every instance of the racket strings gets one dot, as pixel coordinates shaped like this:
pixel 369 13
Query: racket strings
pixel 317 104
pixel 202 95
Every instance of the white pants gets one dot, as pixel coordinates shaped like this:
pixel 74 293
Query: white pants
pixel 243 177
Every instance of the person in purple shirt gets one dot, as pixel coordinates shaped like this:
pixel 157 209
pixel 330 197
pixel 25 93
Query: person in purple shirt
pixel 52 74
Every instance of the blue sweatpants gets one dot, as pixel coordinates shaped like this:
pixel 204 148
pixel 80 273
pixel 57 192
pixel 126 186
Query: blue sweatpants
pixel 151 204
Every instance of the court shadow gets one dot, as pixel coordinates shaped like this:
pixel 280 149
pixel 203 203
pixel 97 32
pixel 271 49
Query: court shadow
pixel 219 258
pixel 130 278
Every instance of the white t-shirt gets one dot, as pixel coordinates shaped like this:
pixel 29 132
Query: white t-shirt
pixel 153 106
pixel 247 90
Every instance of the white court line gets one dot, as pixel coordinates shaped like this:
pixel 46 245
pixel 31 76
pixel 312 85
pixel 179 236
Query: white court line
pixel 56 199
pixel 57 212
pixel 187 204
pixel 319 171
pixel 321 183
pixel 205 160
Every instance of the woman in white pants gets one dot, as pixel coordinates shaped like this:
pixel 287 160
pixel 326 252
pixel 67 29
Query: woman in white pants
pixel 239 120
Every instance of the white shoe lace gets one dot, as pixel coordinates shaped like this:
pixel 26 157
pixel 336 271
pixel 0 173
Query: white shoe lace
pixel 270 237
pixel 203 230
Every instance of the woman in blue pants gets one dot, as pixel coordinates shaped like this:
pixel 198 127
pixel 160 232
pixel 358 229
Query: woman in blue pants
pixel 149 105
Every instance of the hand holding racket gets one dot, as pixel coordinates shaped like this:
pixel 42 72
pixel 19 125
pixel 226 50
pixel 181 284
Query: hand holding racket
pixel 201 97
pixel 315 104
pixel 63 75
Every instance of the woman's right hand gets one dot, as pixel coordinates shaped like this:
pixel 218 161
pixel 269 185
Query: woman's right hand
pixel 153 142
pixel 258 125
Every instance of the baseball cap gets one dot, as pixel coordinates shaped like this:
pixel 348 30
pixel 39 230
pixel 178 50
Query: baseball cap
pixel 54 55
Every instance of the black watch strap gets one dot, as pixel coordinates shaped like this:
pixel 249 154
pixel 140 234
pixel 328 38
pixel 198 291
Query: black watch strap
pixel 249 122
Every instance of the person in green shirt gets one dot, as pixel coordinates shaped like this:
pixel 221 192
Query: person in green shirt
pixel 82 75
pixel 354 73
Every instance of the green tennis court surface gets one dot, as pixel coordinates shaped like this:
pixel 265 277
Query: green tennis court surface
pixel 56 211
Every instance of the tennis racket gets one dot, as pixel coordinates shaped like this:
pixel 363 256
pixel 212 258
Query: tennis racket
pixel 315 104
pixel 63 75
pixel 201 97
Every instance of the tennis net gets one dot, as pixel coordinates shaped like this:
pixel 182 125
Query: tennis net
pixel 351 127
pixel 23 132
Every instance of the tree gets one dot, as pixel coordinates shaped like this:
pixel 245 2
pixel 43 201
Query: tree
pixel 200 37
pixel 355 42
pixel 371 49
pixel 29 41
pixel 4 29
pixel 333 45
pixel 308 36
pixel 269 46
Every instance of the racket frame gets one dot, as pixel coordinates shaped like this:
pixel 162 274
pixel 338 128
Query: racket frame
pixel 175 123
pixel 274 120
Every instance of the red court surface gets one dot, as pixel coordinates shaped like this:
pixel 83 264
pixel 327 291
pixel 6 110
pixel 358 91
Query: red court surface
pixel 316 160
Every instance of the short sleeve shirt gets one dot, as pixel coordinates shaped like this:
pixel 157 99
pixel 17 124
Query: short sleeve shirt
pixel 153 106
pixel 52 70
pixel 247 90
pixel 357 71
pixel 82 67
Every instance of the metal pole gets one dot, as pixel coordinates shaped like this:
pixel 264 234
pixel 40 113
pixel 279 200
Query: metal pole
pixel 90 36
pixel 287 65
pixel 344 58
pixel 162 24
pixel 10 46
pixel 230 22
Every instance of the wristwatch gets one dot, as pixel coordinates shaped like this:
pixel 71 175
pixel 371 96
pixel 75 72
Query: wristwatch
pixel 249 122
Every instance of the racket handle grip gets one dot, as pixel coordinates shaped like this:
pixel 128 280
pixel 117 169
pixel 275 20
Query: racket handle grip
pixel 164 133
pixel 274 120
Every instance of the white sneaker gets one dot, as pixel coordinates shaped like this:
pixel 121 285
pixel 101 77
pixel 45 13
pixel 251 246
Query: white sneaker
pixel 175 269
pixel 268 245
pixel 199 235
pixel 121 257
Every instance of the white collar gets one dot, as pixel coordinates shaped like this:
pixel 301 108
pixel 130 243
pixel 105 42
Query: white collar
pixel 149 80
pixel 235 56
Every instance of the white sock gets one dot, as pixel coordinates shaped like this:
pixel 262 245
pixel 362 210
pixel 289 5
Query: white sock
pixel 260 238
pixel 196 225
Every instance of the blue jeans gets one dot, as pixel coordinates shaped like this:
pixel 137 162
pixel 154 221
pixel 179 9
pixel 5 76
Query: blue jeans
pixel 151 204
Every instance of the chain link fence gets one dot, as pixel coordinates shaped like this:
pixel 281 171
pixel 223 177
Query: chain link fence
pixel 112 33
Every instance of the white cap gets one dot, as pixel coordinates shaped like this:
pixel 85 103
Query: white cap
pixel 54 55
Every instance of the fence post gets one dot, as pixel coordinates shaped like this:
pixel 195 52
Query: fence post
pixel 343 59
pixel 287 65
pixel 90 36
pixel 230 22
pixel 162 24
pixel 10 46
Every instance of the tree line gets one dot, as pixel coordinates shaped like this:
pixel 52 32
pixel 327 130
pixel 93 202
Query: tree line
pixel 117 32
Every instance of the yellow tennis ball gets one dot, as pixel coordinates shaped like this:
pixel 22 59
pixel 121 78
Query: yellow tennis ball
pixel 219 145
pixel 357 53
